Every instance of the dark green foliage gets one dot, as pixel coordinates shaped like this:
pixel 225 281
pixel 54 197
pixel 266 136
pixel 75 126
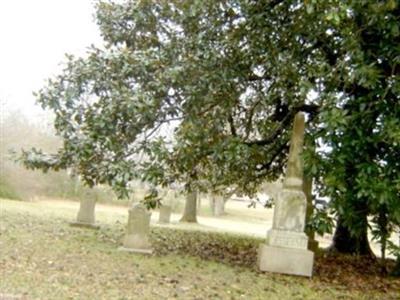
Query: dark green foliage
pixel 151 199
pixel 320 222
pixel 360 170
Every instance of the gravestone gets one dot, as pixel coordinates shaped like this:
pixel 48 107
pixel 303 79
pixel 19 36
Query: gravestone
pixel 219 209
pixel 217 203
pixel 86 214
pixel 137 231
pixel 165 214
pixel 286 249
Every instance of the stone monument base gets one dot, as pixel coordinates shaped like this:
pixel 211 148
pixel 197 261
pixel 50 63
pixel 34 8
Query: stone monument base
pixel 85 225
pixel 134 250
pixel 285 260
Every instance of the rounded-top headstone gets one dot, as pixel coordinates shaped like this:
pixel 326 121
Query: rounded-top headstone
pixel 165 214
pixel 137 231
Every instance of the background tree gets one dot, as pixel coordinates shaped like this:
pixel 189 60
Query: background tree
pixel 18 131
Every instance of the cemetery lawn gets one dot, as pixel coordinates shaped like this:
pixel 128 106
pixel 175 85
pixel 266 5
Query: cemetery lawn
pixel 42 257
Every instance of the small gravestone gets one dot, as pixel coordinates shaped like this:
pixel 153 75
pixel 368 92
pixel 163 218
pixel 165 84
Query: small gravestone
pixel 286 250
pixel 165 214
pixel 86 214
pixel 219 209
pixel 217 204
pixel 137 231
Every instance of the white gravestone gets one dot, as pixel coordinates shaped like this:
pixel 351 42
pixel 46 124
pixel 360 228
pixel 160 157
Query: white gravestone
pixel 165 214
pixel 286 246
pixel 86 214
pixel 137 231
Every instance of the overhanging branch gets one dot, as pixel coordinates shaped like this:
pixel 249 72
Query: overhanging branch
pixel 308 108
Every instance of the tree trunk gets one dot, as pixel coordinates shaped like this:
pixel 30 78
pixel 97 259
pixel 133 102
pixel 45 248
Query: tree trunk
pixel 307 189
pixel 356 209
pixel 344 242
pixel 190 212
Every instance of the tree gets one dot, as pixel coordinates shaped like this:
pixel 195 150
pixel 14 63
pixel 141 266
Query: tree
pixel 229 76
pixel 190 211
pixel 361 128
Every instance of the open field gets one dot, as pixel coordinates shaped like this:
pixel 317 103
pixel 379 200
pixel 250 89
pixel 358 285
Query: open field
pixel 42 257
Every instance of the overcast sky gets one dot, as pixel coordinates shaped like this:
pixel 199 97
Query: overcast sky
pixel 34 36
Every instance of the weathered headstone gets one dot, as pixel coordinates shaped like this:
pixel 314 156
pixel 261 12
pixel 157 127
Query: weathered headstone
pixel 137 231
pixel 165 214
pixel 86 214
pixel 219 206
pixel 286 250
pixel 217 203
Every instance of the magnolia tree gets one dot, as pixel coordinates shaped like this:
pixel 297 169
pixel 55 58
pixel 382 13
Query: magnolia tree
pixel 228 77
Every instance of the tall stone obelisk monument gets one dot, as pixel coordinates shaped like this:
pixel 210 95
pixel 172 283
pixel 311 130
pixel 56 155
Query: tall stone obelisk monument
pixel 286 250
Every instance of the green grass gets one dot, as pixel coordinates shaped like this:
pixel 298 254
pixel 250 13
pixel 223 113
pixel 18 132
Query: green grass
pixel 42 257
pixel 6 191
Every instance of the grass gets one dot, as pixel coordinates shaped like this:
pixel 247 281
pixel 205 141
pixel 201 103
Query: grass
pixel 42 257
pixel 7 191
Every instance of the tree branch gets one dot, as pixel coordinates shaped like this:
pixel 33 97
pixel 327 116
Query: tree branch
pixel 308 108
pixel 278 151
pixel 232 125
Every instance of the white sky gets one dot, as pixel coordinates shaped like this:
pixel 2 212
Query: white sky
pixel 34 36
